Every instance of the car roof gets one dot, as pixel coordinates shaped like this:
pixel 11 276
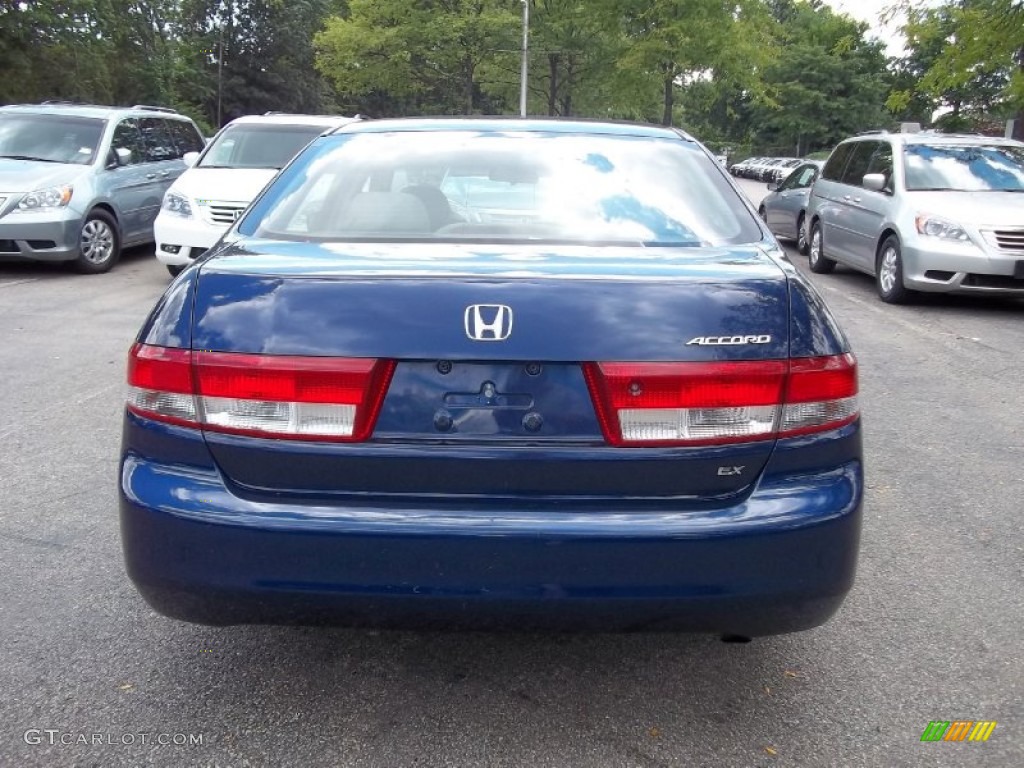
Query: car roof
pixel 283 118
pixel 959 138
pixel 90 110
pixel 935 137
pixel 515 124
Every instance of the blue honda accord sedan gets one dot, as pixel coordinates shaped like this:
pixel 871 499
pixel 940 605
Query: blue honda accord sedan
pixel 494 373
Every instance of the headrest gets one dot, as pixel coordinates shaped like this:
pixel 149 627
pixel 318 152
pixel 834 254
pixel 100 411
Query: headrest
pixel 380 213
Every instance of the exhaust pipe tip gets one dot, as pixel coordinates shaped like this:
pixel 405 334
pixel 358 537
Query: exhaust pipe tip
pixel 740 639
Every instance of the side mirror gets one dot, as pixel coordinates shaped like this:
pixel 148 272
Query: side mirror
pixel 874 181
pixel 189 158
pixel 122 157
pixel 772 186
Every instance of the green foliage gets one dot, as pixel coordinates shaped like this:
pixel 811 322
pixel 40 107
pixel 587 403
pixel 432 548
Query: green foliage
pixel 982 57
pixel 962 57
pixel 670 43
pixel 828 81
pixel 168 52
pixel 966 56
pixel 571 60
pixel 791 75
pixel 428 55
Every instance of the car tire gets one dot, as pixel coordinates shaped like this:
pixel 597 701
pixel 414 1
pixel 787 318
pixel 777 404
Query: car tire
pixel 816 258
pixel 99 244
pixel 175 269
pixel 801 235
pixel 889 272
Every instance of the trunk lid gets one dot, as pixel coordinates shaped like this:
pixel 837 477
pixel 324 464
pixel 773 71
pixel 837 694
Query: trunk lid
pixel 468 419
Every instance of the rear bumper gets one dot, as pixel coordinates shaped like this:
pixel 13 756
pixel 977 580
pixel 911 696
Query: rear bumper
pixel 780 560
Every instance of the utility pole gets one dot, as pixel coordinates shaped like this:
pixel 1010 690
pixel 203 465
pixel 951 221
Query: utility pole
pixel 524 73
pixel 220 74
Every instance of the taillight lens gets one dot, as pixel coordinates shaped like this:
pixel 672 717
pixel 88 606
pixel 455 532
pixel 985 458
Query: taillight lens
pixel 721 402
pixel 821 393
pixel 291 397
pixel 160 384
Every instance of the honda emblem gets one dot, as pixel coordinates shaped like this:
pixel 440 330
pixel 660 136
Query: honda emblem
pixel 488 322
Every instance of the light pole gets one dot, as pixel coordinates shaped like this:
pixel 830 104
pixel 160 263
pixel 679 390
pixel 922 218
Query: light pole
pixel 524 72
pixel 220 74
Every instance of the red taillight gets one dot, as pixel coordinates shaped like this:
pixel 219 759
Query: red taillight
pixel 311 398
pixel 296 397
pixel 821 378
pixel 721 402
pixel 821 393
pixel 160 384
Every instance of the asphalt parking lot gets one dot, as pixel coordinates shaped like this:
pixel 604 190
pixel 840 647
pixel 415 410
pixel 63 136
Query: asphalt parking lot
pixel 91 677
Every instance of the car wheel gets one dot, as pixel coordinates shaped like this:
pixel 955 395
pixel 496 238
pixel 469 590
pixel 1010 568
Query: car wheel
pixel 175 269
pixel 801 235
pixel 99 244
pixel 816 259
pixel 889 272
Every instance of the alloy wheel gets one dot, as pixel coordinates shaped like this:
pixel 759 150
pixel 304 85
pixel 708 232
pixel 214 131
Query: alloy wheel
pixel 97 242
pixel 887 271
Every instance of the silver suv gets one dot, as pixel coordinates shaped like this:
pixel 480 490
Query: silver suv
pixel 78 183
pixel 922 212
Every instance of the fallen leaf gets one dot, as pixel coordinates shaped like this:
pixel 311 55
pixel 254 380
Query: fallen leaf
pixel 794 673
pixel 768 690
pixel 125 687
pixel 770 751
pixel 654 732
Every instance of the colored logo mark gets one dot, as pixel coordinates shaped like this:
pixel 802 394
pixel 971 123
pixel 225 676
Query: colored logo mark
pixel 958 730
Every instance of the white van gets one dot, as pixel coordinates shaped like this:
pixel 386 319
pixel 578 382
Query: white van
pixel 221 182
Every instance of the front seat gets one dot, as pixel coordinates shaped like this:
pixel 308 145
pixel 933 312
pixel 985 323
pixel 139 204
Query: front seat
pixel 381 213
pixel 439 210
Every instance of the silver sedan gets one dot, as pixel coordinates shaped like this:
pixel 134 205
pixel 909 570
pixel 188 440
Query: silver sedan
pixel 785 206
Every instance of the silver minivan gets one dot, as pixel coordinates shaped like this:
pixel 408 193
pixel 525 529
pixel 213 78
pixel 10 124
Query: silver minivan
pixel 922 212
pixel 78 183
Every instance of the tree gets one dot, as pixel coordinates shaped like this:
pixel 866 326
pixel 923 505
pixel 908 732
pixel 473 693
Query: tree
pixel 930 32
pixel 829 80
pixel 667 43
pixel 52 51
pixel 571 56
pixel 426 54
pixel 256 55
pixel 971 55
pixel 716 104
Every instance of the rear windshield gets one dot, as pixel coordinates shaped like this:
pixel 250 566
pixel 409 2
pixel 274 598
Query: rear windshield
pixel 258 146
pixel 50 138
pixel 501 186
pixel 968 168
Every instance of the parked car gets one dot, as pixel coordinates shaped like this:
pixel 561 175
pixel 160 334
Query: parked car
pixel 79 183
pixel 781 169
pixel 768 170
pixel 221 182
pixel 922 212
pixel 589 393
pixel 741 168
pixel 784 209
pixel 755 169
